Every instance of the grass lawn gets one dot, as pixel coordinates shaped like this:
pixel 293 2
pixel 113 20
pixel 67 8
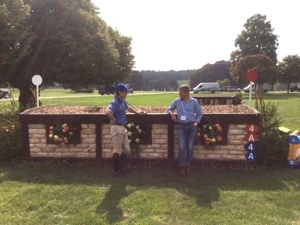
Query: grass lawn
pixel 86 193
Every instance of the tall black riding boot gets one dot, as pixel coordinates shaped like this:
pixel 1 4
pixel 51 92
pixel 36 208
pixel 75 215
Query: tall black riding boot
pixel 116 163
pixel 123 163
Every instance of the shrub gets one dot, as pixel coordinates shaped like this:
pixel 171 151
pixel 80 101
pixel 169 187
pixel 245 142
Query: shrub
pixel 237 99
pixel 10 131
pixel 272 144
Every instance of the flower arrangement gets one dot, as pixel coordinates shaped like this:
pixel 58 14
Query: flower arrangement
pixel 210 133
pixel 136 133
pixel 63 133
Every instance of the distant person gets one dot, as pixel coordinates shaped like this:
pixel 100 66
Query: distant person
pixel 116 112
pixel 189 115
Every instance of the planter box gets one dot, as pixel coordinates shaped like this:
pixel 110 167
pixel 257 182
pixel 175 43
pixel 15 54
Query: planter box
pixel 161 140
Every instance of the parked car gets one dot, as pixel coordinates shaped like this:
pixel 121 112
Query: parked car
pixel 84 90
pixel 209 87
pixel 106 90
pixel 266 87
pixel 229 89
pixel 4 93
pixel 295 88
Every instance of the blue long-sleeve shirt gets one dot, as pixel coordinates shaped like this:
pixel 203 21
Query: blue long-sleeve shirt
pixel 186 112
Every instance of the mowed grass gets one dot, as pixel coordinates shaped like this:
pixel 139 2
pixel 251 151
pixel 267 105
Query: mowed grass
pixel 288 108
pixel 87 193
pixel 52 193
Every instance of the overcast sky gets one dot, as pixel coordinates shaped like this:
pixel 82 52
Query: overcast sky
pixel 187 34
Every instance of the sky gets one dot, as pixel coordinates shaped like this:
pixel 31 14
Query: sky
pixel 188 34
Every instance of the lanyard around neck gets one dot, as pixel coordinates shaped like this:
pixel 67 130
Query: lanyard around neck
pixel 183 106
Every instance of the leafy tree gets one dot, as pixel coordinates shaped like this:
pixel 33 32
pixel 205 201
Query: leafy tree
pixel 257 42
pixel 159 83
pixel 289 70
pixel 136 80
pixel 211 73
pixel 170 78
pixel 14 32
pixel 70 44
pixel 125 63
pixel 257 38
pixel 263 65
pixel 225 82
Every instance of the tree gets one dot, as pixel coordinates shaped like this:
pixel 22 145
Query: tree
pixel 170 78
pixel 289 70
pixel 125 63
pixel 211 73
pixel 224 82
pixel 14 32
pixel 136 80
pixel 257 38
pixel 70 44
pixel 263 65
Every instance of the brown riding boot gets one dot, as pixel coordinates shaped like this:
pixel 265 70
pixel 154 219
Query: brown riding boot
pixel 187 169
pixel 182 171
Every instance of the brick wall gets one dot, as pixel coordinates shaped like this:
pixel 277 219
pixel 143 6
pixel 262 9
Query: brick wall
pixel 39 147
pixel 158 149
pixel 234 150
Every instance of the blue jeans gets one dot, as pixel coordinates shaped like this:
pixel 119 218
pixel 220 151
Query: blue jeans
pixel 186 140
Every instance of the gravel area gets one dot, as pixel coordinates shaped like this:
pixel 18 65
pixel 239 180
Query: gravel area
pixel 243 109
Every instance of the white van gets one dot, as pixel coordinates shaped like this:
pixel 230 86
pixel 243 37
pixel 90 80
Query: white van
pixel 211 87
pixel 266 88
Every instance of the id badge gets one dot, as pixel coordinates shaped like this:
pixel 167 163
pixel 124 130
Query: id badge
pixel 183 118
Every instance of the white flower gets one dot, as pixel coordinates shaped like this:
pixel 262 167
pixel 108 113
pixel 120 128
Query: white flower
pixel 137 127
pixel 129 125
pixel 129 133
pixel 137 140
pixel 139 130
pixel 129 141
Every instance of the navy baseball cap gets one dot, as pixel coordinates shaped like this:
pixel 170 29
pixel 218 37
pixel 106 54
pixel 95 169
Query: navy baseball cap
pixel 121 87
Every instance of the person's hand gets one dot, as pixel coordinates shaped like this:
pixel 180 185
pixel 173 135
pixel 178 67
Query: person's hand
pixel 141 113
pixel 113 121
pixel 173 117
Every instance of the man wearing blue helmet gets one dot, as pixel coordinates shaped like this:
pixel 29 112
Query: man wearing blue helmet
pixel 116 112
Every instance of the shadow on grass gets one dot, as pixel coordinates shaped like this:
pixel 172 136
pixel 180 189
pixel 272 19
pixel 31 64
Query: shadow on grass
pixel 203 185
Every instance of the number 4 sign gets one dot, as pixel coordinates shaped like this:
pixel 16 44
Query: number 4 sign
pixel 251 128
pixel 251 146
pixel 251 138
